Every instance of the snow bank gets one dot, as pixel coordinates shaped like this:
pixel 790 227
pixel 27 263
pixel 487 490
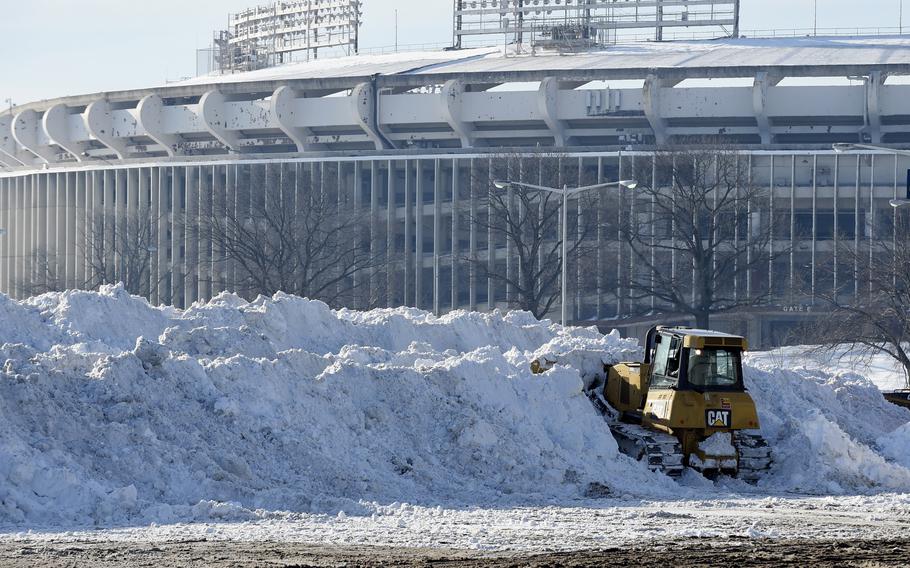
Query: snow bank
pixel 116 411
pixel 828 431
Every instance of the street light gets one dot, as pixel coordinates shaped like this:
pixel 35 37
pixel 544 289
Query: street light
pixel 565 192
pixel 845 147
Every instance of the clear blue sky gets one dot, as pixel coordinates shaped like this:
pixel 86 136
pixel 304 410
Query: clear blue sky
pixel 51 48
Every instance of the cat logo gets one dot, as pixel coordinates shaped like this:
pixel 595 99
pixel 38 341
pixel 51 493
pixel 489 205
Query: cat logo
pixel 719 418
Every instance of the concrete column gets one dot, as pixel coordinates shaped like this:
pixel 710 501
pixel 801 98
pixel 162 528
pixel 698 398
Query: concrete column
pixel 230 212
pixel 374 233
pixel 219 204
pixel 874 86
pixel 408 234
pixel 814 222
pixel 391 261
pixel 836 223
pixel 95 250
pixel 44 226
pixel 15 236
pixel 5 264
pixel 26 131
pixel 165 181
pixel 82 180
pixel 213 112
pixel 131 242
pixel 491 246
pixel 363 111
pixel 99 121
pixel 111 227
pixel 147 228
pixel 357 189
pixel 418 236
pixel 760 88
pixel 579 219
pixel 154 181
pixel 651 96
pixel 56 125
pixel 282 109
pixel 749 234
pixel 451 98
pixel 37 263
pixel 191 237
pixel 151 117
pixel 342 203
pixel 792 287
pixel 456 227
pixel 510 260
pixel 121 225
pixel 10 153
pixel 204 242
pixel 24 240
pixel 178 241
pixel 4 239
pixel 437 234
pixel 857 228
pixel 472 240
pixel 599 255
pixel 771 224
pixel 547 106
pixel 72 218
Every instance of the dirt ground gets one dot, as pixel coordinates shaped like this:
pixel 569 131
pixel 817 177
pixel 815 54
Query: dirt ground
pixel 691 552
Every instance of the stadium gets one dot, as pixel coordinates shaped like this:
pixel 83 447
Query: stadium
pixel 403 141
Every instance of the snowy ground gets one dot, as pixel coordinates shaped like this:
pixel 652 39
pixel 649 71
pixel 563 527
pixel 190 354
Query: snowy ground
pixel 584 526
pixel 283 420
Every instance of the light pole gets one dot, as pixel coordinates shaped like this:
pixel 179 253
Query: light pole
pixel 565 192
pixel 843 148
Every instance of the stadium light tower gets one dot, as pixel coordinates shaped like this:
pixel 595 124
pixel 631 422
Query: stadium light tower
pixel 843 148
pixel 565 192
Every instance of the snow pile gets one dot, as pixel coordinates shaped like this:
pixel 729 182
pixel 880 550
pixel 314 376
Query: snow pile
pixel 896 445
pixel 112 410
pixel 828 431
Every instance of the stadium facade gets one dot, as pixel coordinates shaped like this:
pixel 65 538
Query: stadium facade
pixel 401 137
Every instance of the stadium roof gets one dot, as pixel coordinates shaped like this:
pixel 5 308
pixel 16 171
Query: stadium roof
pixel 672 60
pixel 720 56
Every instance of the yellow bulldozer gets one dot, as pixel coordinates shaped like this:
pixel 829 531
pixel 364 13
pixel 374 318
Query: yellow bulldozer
pixel 684 406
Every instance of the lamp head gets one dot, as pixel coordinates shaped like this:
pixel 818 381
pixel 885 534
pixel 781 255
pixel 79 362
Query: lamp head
pixel 629 184
pixel 498 184
pixel 842 147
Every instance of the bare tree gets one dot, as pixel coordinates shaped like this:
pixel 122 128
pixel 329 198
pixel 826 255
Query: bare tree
pixel 296 239
pixel 42 276
pixel 693 241
pixel 527 223
pixel 121 248
pixel 870 313
pixel 115 247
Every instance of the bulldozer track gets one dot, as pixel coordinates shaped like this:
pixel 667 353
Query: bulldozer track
pixel 754 455
pixel 662 452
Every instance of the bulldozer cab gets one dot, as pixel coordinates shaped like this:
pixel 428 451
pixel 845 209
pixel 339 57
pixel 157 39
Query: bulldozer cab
pixel 685 359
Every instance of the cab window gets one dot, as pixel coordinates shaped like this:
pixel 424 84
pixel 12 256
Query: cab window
pixel 666 362
pixel 713 368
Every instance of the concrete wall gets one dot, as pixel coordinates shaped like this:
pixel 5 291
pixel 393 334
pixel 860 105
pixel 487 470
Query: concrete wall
pixel 419 210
